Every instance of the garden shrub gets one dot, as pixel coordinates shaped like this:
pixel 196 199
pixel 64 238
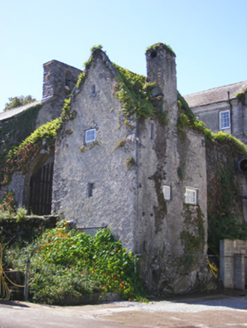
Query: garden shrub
pixel 73 263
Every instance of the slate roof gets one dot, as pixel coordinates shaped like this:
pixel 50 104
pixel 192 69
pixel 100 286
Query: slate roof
pixel 215 95
pixel 15 111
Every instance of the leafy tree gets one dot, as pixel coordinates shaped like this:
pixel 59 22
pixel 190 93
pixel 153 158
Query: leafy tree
pixel 18 101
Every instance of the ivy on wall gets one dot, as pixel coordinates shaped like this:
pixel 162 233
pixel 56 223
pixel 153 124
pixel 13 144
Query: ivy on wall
pixel 224 204
pixel 87 65
pixel 20 147
pixel 187 119
pixel 19 157
pixel 12 132
pixel 192 235
pixel 135 95
pixel 242 97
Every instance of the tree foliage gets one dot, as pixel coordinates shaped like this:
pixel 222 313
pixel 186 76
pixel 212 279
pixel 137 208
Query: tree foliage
pixel 18 101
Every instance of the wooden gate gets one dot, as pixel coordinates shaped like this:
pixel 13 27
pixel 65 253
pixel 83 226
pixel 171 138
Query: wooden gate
pixel 41 190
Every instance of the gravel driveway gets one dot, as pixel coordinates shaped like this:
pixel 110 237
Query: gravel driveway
pixel 200 311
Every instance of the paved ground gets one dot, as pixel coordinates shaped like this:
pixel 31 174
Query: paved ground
pixel 201 310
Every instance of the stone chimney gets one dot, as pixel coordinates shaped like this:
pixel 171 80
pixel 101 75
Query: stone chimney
pixel 59 79
pixel 161 68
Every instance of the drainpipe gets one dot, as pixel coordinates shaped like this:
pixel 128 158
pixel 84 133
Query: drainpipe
pixel 137 192
pixel 229 100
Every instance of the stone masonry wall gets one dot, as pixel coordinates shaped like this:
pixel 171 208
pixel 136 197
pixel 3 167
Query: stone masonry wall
pixel 78 164
pixel 226 185
pixel 209 114
pixel 164 222
pixel 179 162
pixel 233 272
pixel 59 80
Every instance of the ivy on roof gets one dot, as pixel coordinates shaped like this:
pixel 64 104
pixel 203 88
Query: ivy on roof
pixel 135 95
pixel 82 76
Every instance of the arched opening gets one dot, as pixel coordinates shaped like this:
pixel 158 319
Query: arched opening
pixel 153 54
pixel 37 196
pixel 41 189
pixel 242 165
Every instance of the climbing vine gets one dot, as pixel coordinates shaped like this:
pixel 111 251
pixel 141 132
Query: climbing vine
pixel 224 212
pixel 19 157
pixel 13 131
pixel 21 146
pixel 87 64
pixel 187 119
pixel 135 95
pixel 242 97
pixel 192 235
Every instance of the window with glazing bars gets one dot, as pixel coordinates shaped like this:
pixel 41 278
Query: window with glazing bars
pixel 90 135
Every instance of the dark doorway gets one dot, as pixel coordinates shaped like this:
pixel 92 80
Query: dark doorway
pixel 41 190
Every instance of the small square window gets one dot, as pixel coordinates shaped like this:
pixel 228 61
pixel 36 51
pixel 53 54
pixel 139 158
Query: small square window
pixel 191 196
pixel 90 135
pixel 167 192
pixel 225 120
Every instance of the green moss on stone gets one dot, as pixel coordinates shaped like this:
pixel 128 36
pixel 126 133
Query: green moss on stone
pixel 242 97
pixel 161 45
pixel 135 95
pixel 130 162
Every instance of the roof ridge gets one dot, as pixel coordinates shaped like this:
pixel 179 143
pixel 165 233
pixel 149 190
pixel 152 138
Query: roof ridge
pixel 222 86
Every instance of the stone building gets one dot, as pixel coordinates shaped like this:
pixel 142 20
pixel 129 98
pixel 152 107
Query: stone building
pixel 121 160
pixel 126 175
pixel 59 79
pixel 221 109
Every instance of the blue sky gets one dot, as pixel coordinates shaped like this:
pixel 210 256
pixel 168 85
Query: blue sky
pixel 208 37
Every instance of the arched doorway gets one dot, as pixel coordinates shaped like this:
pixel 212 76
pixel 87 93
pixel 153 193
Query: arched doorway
pixel 37 192
pixel 41 189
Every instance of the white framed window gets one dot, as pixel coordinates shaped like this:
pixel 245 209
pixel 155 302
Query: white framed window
pixel 225 119
pixel 90 135
pixel 167 192
pixel 191 196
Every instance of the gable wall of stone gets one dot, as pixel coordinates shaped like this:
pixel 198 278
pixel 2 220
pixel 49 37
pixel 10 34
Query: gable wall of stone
pixel 78 164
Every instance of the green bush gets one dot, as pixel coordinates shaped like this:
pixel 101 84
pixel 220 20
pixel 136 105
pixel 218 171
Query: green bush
pixel 73 263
